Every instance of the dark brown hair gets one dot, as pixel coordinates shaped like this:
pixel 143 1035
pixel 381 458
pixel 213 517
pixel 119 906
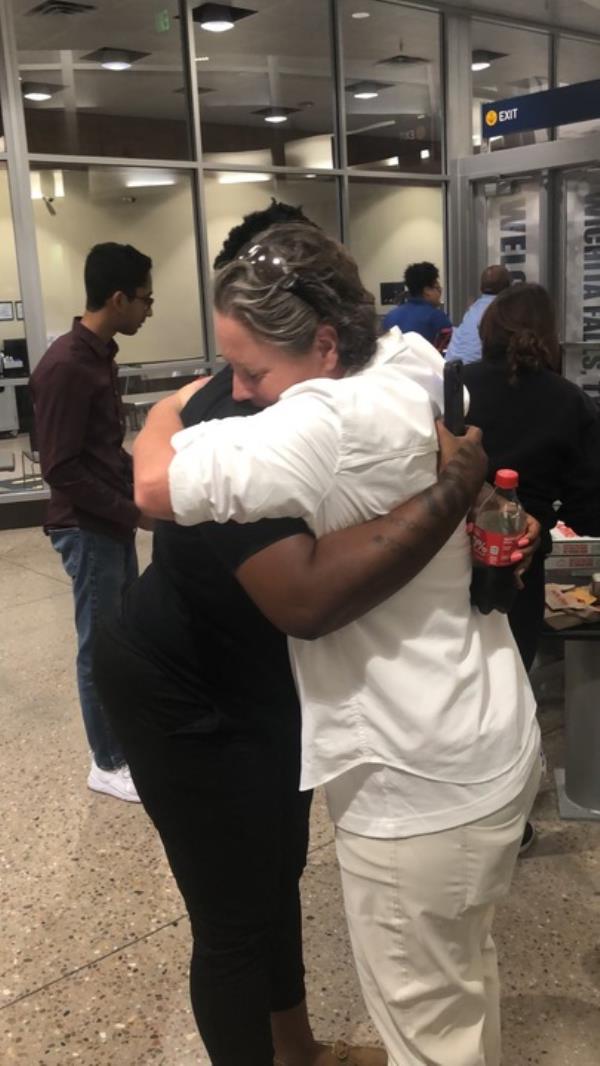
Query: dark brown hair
pixel 292 280
pixel 519 328
pixel 255 223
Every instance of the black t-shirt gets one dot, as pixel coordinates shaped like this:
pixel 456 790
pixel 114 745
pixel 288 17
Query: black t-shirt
pixel 548 430
pixel 189 613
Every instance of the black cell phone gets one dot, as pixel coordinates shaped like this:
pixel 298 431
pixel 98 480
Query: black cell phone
pixel 454 408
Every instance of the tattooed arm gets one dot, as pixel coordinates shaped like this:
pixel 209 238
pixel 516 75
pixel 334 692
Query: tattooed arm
pixel 309 587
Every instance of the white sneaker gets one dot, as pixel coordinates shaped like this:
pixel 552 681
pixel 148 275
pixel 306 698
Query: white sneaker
pixel 117 783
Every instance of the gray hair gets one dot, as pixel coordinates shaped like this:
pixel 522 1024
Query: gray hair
pixel 301 280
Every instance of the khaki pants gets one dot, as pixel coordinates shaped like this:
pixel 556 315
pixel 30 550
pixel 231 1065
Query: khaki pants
pixel 420 913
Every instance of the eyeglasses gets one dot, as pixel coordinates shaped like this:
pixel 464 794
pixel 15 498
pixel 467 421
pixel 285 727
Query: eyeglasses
pixel 273 270
pixel 147 300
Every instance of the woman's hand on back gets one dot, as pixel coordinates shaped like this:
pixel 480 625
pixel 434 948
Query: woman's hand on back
pixel 183 395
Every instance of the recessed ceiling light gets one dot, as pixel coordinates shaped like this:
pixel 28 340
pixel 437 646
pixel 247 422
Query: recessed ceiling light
pixel 240 177
pixel 393 161
pixel 35 179
pixel 59 184
pixel 421 116
pixel 115 59
pixel 149 183
pixel 217 25
pixel 310 176
pixel 482 58
pixel 367 90
pixel 202 59
pixel 218 18
pixel 402 60
pixel 425 153
pixel 361 15
pixel 39 92
pixel 275 114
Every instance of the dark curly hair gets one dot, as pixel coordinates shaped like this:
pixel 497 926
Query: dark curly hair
pixel 294 279
pixel 257 222
pixel 519 328
pixel 420 276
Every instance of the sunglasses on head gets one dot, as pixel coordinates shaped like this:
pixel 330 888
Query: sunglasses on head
pixel 272 269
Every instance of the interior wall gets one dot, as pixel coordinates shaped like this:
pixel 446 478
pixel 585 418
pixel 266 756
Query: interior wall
pixel 391 227
pixel 227 204
pixel 160 224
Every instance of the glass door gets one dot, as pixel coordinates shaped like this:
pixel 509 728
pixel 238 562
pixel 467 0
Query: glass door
pixel 580 277
pixel 510 226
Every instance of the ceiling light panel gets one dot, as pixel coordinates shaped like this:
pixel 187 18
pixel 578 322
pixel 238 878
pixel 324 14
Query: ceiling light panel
pixel 367 90
pixel 219 18
pixel 39 92
pixel 115 59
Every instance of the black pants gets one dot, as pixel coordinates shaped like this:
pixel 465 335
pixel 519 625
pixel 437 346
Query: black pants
pixel 235 830
pixel 527 616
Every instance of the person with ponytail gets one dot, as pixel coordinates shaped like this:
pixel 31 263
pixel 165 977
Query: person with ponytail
pixel 538 423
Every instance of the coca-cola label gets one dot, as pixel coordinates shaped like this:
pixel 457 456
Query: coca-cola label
pixel 493 549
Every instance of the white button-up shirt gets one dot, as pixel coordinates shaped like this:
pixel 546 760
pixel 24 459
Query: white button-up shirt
pixel 422 683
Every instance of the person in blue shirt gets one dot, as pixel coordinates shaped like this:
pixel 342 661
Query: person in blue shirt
pixel 466 342
pixel 422 312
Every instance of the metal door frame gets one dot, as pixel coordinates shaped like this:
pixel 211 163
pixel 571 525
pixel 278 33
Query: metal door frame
pixel 546 160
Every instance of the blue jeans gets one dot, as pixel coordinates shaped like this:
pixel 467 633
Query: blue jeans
pixel 100 569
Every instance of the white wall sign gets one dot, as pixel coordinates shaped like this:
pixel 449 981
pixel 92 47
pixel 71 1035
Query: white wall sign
pixel 513 232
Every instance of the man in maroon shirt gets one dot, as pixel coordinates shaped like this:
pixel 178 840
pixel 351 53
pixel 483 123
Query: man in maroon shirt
pixel 91 517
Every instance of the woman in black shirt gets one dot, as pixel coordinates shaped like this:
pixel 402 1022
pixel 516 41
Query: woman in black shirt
pixel 535 422
pixel 198 686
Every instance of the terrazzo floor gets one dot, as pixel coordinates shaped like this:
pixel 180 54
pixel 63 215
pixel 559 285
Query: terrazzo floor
pixel 94 940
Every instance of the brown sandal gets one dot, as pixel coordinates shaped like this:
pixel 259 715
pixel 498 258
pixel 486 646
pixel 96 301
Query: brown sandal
pixel 353 1055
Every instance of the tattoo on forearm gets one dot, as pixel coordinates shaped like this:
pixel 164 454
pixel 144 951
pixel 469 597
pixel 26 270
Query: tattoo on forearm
pixel 447 500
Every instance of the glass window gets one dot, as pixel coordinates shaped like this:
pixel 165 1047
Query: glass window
pixel 12 325
pixel 392 226
pixel 105 81
pixel 230 195
pixel 265 84
pixel 507 62
pixel 15 406
pixel 512 225
pixel 78 207
pixel 392 97
pixel 577 61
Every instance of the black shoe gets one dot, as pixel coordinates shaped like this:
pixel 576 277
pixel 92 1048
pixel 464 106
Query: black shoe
pixel 528 838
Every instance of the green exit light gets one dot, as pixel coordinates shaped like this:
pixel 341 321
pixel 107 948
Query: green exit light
pixel 162 21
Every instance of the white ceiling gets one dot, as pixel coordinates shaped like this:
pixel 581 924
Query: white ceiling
pixel 577 15
pixel 280 55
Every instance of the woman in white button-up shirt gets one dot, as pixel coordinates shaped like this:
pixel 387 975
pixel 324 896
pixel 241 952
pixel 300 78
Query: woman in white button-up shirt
pixel 417 717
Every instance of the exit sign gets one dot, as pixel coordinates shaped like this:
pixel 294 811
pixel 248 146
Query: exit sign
pixel 162 21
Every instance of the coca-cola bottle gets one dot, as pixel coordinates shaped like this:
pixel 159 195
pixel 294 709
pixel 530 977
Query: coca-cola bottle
pixel 498 525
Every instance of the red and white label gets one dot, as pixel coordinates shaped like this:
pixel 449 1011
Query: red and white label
pixel 493 549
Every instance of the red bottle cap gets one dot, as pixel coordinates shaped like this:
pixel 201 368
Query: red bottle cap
pixel 506 479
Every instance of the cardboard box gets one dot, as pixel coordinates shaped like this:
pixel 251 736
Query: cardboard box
pixel 566 542
pixel 578 564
